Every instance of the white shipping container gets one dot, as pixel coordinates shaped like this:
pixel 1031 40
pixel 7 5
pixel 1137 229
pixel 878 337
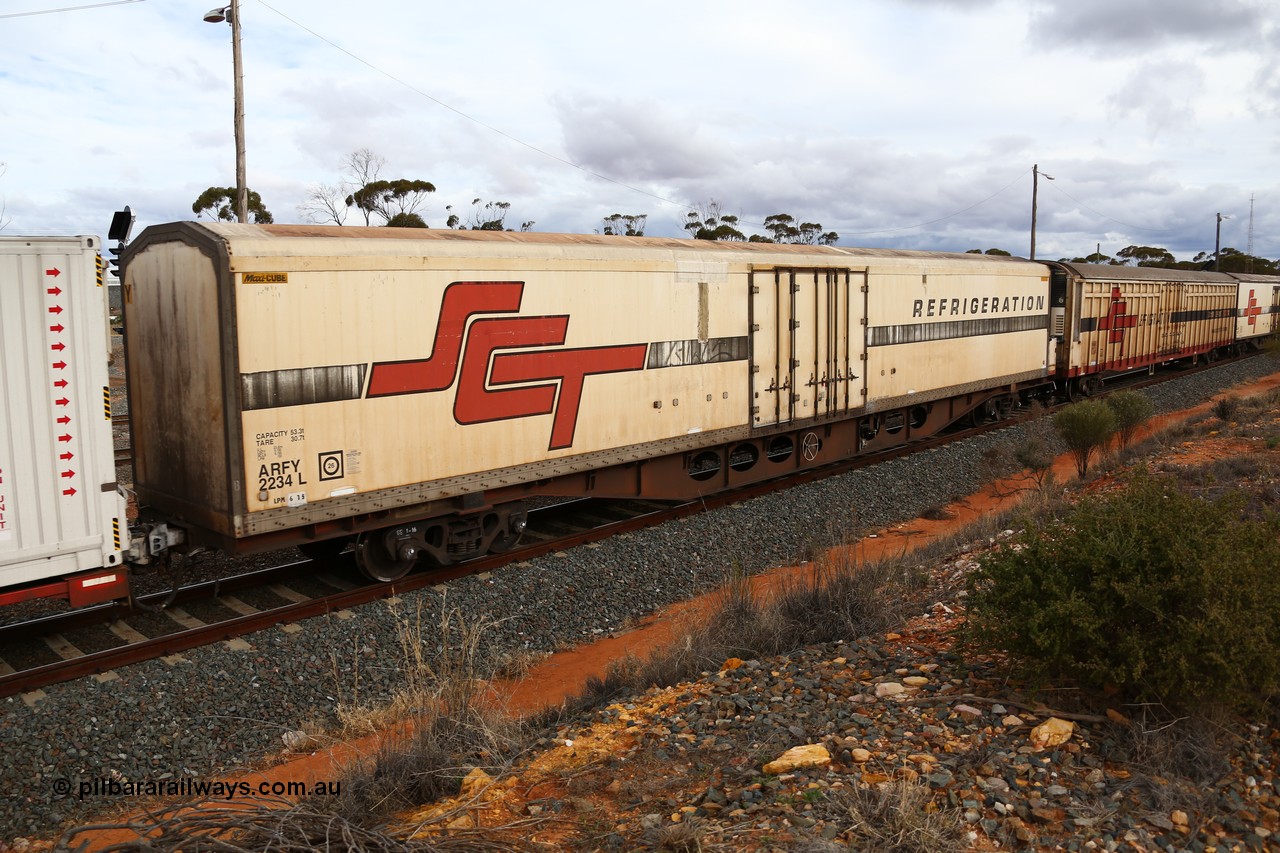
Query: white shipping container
pixel 60 509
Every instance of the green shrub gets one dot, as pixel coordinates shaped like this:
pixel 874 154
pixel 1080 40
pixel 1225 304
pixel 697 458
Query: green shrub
pixel 1036 456
pixel 1084 427
pixel 1131 410
pixel 1165 595
pixel 1226 408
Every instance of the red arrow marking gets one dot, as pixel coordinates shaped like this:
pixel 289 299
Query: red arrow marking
pixel 57 309
pixel 58 347
pixel 67 475
pixel 57 328
pixel 55 272
pixel 69 492
pixel 59 365
pixel 66 457
pixel 64 420
pixel 64 438
pixel 54 291
pixel 61 383
pixel 62 401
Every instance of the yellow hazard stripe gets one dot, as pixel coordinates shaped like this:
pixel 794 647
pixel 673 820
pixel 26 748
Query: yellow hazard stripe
pixel 115 532
pixel 106 401
pixel 102 268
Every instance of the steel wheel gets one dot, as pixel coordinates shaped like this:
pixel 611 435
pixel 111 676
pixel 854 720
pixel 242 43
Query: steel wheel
pixel 374 560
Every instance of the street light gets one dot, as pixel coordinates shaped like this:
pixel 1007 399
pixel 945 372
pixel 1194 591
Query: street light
pixel 231 14
pixel 1217 240
pixel 1035 191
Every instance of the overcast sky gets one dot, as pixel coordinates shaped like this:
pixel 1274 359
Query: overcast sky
pixel 901 123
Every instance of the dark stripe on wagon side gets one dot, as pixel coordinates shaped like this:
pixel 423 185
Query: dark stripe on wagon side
pixel 273 389
pixel 1090 324
pixel 916 333
pixel 1205 314
pixel 686 353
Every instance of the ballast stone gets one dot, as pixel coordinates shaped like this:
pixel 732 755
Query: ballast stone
pixel 798 758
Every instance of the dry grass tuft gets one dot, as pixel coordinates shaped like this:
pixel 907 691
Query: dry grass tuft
pixel 456 724
pixel 894 817
pixel 839 597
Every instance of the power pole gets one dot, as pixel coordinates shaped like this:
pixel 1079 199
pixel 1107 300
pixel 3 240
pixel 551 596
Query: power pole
pixel 1248 262
pixel 1217 241
pixel 1035 191
pixel 242 185
pixel 231 14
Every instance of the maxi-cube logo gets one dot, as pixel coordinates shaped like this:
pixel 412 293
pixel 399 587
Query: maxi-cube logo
pixel 470 353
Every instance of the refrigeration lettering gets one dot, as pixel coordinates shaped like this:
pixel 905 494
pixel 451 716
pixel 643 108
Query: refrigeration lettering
pixel 976 306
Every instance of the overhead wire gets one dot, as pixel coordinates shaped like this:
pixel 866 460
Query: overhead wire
pixel 1112 218
pixel 68 9
pixel 454 109
pixel 943 218
pixel 578 166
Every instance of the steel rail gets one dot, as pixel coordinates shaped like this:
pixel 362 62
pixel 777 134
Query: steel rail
pixel 92 663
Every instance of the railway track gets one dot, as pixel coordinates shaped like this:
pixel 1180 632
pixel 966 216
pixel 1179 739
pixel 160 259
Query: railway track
pixel 94 641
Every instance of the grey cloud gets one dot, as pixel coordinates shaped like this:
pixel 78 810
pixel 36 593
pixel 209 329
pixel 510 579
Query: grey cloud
pixel 1104 24
pixel 1161 93
pixel 874 195
pixel 636 141
pixel 1266 83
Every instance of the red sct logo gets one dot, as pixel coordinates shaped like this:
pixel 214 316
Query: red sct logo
pixel 472 353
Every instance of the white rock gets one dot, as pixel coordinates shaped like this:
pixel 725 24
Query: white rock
pixel 799 757
pixel 296 740
pixel 1052 732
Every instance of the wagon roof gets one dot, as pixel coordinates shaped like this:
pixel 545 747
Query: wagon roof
pixel 1254 277
pixel 1113 272
pixel 533 237
pixel 283 240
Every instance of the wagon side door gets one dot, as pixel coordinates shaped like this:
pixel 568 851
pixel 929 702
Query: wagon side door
pixel 807 344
